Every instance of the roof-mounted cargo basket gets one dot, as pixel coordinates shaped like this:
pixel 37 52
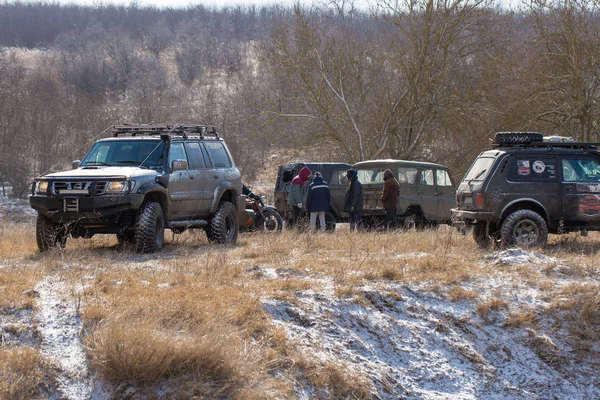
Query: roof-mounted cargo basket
pixel 536 139
pixel 201 131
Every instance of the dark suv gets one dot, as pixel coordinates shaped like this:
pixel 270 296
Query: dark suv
pixel 527 187
pixel 140 181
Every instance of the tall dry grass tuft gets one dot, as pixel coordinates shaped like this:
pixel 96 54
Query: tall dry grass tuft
pixel 23 372
pixel 16 287
pixel 141 354
pixel 334 381
pixel 577 307
pixel 485 308
pixel 17 240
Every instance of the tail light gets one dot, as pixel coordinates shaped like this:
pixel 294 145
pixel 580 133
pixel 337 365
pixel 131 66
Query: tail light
pixel 479 201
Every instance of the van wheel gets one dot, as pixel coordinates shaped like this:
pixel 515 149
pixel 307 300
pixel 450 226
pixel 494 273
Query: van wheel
pixel 223 227
pixel 524 228
pixel 150 228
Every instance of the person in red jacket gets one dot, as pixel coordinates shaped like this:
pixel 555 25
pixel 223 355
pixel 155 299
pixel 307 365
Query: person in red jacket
pixel 389 198
pixel 297 195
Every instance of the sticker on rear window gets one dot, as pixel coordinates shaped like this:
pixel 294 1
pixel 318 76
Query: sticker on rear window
pixel 539 166
pixel 523 167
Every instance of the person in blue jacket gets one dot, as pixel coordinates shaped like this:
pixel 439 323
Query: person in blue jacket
pixel 318 199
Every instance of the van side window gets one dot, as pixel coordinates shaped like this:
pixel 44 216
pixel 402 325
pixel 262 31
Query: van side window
pixel 195 155
pixel 407 175
pixel 339 178
pixel 218 155
pixel 426 177
pixel 442 177
pixel 177 152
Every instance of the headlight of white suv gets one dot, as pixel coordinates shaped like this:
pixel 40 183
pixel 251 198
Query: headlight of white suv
pixel 117 187
pixel 41 187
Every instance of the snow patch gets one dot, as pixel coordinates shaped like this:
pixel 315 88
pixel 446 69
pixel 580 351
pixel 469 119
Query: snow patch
pixel 60 328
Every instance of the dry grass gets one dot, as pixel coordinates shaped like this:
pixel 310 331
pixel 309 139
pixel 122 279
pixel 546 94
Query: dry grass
pixel 16 287
pixel 191 317
pixel 17 241
pixel 577 306
pixel 525 318
pixel 23 373
pixel 484 309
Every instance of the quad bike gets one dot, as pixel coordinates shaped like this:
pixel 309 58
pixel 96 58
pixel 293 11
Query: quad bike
pixel 261 217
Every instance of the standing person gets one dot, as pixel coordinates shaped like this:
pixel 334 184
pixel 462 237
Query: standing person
pixel 353 201
pixel 297 194
pixel 317 201
pixel 389 198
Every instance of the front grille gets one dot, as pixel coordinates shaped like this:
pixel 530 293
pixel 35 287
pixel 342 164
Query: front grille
pixel 79 188
pixel 72 187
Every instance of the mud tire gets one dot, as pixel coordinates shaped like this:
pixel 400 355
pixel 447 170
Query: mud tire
pixel 150 228
pixel 524 228
pixel 49 235
pixel 223 227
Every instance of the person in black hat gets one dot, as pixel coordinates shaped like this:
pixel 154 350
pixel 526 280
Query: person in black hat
pixel 318 200
pixel 353 201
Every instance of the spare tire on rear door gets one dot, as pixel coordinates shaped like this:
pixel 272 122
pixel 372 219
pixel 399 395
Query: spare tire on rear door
pixel 518 137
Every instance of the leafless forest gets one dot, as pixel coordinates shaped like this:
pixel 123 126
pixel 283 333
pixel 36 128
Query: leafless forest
pixel 418 79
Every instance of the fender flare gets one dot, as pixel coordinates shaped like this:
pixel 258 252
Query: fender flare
pixel 220 190
pixel 156 191
pixel 505 209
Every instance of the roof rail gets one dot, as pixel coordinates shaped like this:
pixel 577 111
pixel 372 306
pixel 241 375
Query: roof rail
pixel 184 130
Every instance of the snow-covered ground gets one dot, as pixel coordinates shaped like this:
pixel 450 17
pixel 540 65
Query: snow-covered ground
pixel 409 341
pixel 16 210
pixel 412 343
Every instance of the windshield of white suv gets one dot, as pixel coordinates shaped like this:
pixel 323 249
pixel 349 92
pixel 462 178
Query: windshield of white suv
pixel 139 153
pixel 479 169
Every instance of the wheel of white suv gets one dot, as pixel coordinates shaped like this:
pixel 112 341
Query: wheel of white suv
pixel 223 227
pixel 49 235
pixel 150 228
pixel 524 228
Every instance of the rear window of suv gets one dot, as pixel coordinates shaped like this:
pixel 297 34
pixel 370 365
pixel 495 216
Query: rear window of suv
pixel 479 169
pixel 532 168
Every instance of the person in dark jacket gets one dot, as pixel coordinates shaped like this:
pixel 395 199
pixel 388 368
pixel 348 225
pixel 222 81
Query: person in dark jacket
pixel 353 201
pixel 389 198
pixel 317 201
pixel 297 194
pixel 246 190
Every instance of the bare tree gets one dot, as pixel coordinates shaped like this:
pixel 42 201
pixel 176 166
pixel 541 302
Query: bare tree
pixel 377 93
pixel 568 48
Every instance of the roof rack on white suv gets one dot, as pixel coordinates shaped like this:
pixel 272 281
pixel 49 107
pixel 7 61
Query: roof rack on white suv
pixel 164 129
